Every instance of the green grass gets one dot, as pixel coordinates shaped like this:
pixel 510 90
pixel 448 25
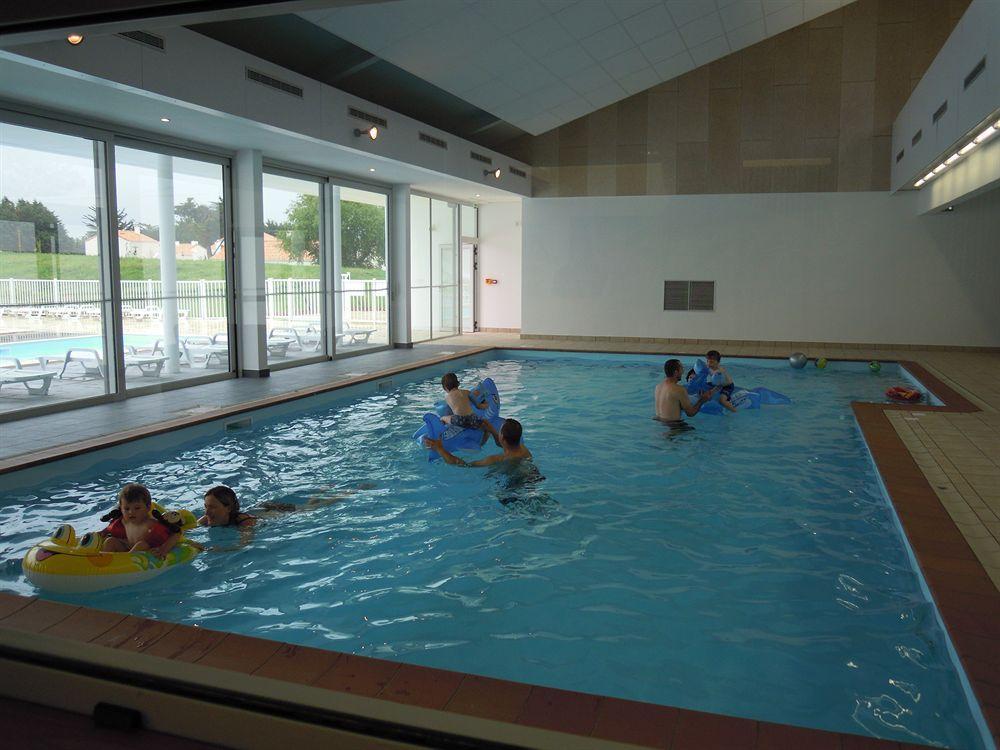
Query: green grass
pixel 47 266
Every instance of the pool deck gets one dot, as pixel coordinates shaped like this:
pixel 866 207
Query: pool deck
pixel 941 467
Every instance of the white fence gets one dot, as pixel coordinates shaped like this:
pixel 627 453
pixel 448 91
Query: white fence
pixel 361 301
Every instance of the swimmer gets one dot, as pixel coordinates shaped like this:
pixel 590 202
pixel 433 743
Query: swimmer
pixel 222 507
pixel 136 526
pixel 712 359
pixel 460 402
pixel 671 397
pixel 510 440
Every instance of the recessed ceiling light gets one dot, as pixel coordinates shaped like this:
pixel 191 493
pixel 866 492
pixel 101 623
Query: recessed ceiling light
pixel 477 195
pixel 164 119
pixel 929 176
pixel 985 134
pixel 371 169
pixel 918 183
pixel 939 167
pixel 74 39
pixel 952 158
pixel 967 148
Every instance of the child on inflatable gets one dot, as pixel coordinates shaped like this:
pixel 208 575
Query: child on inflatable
pixel 721 378
pixel 136 526
pixel 459 401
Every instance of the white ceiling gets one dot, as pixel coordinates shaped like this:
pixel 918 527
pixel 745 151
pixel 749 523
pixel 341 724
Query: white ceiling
pixel 540 63
pixel 35 83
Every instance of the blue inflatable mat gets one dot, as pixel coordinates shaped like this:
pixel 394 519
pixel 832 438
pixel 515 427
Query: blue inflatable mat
pixel 741 398
pixel 485 402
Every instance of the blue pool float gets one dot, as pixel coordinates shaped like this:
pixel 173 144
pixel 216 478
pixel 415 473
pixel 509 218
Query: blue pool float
pixel 453 437
pixel 741 398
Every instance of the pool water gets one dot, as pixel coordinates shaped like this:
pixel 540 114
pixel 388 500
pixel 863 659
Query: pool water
pixel 749 567
pixel 28 349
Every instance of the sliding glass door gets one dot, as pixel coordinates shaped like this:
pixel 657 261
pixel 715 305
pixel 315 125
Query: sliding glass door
pixel 434 262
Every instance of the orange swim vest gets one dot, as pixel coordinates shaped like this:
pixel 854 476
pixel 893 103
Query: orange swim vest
pixel 901 393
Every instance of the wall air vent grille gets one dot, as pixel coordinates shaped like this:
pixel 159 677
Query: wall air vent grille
pixel 368 117
pixel 689 295
pixel 899 156
pixel 916 137
pixel 975 73
pixel 270 81
pixel 939 112
pixel 144 37
pixel 433 141
pixel 480 157
pixel 518 172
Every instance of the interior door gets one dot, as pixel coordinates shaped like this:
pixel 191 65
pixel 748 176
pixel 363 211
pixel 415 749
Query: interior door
pixel 470 268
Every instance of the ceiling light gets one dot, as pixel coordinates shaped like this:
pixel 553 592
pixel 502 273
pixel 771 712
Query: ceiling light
pixel 952 158
pixel 164 119
pixel 928 176
pixel 496 173
pixel 986 134
pixel 477 195
pixel 940 167
pixel 371 169
pixel 74 39
pixel 919 182
pixel 371 132
pixel 967 148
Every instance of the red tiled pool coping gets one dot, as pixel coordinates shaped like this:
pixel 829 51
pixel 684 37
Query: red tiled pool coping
pixel 964 594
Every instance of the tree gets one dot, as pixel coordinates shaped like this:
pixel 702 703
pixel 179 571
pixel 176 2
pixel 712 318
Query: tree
pixel 124 222
pixel 362 232
pixel 198 222
pixel 50 233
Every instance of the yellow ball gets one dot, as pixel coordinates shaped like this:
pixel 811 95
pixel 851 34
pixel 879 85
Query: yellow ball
pixel 821 363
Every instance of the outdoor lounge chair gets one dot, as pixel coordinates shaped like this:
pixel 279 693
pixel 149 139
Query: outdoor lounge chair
pixel 93 363
pixel 275 347
pixel 356 335
pixel 200 351
pixel 308 341
pixel 20 375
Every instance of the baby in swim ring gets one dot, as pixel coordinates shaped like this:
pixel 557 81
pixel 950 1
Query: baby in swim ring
pixel 136 526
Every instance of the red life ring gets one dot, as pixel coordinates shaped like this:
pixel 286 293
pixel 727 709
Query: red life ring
pixel 901 393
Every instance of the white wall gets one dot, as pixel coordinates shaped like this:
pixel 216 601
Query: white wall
pixel 500 259
pixel 841 267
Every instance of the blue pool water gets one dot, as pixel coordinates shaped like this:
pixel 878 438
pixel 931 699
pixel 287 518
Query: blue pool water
pixel 28 349
pixel 750 567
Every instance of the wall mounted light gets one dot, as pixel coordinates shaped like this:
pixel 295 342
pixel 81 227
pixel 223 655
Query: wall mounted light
pixel 496 173
pixel 74 39
pixel 371 132
pixel 981 137
pixel 164 119
pixel 371 169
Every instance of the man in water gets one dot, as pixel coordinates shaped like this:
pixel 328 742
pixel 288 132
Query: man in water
pixel 510 440
pixel 671 397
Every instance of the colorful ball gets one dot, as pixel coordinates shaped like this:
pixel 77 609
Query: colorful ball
pixel 874 366
pixel 821 363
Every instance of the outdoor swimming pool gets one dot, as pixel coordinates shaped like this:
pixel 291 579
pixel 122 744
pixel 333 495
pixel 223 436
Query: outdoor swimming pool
pixel 749 567
pixel 29 349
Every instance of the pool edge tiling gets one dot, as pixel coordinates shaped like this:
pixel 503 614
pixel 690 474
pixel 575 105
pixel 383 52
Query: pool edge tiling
pixel 964 594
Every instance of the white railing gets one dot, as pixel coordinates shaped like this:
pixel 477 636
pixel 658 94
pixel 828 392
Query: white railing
pixel 362 302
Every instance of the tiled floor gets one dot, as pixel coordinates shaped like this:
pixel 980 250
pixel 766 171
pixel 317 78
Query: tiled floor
pixel 941 467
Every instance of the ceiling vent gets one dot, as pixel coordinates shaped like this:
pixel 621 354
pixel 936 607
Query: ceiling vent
pixel 939 113
pixel 480 157
pixel 368 117
pixel 275 83
pixel 519 172
pixel 689 295
pixel 146 39
pixel 975 72
pixel 916 137
pixel 433 141
pixel 899 156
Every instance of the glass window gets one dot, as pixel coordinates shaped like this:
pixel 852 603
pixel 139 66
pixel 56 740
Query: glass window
pixel 470 223
pixel 444 269
pixel 173 256
pixel 420 268
pixel 53 303
pixel 360 270
pixel 293 254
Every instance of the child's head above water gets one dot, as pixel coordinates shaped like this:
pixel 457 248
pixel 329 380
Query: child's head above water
pixel 222 507
pixel 510 432
pixel 713 358
pixel 134 503
pixel 690 374
pixel 449 381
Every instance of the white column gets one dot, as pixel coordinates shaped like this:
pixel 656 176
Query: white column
pixel 399 266
pixel 248 254
pixel 168 263
pixel 337 247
